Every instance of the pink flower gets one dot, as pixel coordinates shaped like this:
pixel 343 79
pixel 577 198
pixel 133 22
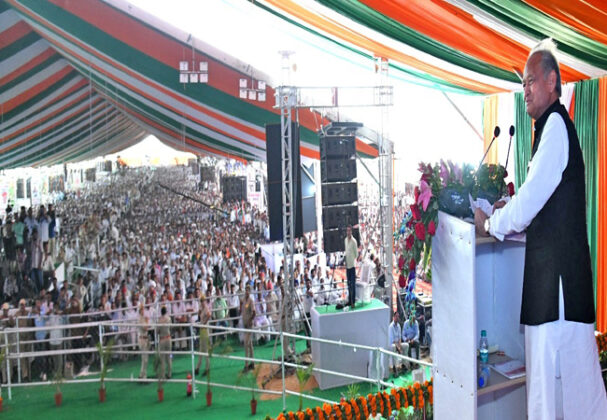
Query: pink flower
pixel 425 194
pixel 415 212
pixel 456 171
pixel 443 173
pixel 420 231
pixel 431 228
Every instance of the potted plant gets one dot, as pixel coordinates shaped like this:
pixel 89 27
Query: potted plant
pixel 303 374
pixel 105 354
pixel 211 348
pixel 58 380
pixel 250 378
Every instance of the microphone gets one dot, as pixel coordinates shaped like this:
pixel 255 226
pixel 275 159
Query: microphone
pixel 511 132
pixel 496 133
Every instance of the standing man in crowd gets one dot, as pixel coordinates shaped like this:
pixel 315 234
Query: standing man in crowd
pixel 143 340
pixel 563 372
pixel 164 343
pixel 351 254
pixel 248 315
pixel 204 316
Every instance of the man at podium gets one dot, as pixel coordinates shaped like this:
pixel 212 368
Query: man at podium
pixel 563 372
pixel 351 254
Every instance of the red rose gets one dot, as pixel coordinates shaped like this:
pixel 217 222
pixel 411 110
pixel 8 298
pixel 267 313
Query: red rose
pixel 409 244
pixel 416 193
pixel 420 231
pixel 511 189
pixel 412 264
pixel 415 212
pixel 402 282
pixel 401 262
pixel 431 228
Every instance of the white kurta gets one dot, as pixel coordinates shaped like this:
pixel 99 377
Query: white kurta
pixel 563 371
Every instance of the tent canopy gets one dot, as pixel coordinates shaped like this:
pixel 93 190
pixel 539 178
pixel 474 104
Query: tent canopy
pixel 79 79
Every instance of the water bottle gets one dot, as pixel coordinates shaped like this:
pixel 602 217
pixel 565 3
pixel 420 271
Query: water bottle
pixel 483 376
pixel 484 348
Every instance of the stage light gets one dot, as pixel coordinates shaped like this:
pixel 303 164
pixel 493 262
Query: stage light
pixel 243 83
pixel 204 66
pixel 243 94
pixel 261 85
pixel 252 95
pixel 193 77
pixel 204 78
pixel 261 96
pixel 183 78
pixel 183 66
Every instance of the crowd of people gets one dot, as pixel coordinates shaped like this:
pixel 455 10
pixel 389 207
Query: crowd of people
pixel 143 241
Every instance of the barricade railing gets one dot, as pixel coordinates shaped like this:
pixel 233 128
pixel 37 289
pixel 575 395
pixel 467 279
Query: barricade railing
pixel 19 352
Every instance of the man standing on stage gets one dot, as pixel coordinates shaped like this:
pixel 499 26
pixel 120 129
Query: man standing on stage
pixel 351 254
pixel 563 373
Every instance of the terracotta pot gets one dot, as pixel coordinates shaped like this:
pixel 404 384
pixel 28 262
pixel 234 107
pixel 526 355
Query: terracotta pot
pixel 253 406
pixel 102 394
pixel 209 398
pixel 58 398
pixel 161 395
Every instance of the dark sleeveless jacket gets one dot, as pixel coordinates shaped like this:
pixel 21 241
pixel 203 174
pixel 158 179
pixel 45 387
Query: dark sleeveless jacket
pixel 557 242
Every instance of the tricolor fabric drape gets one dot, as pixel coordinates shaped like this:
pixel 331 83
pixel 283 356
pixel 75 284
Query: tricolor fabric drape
pixel 601 264
pixel 522 143
pixel 586 123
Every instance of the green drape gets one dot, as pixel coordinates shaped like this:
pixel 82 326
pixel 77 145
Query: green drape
pixel 522 135
pixel 375 20
pixel 538 25
pixel 586 123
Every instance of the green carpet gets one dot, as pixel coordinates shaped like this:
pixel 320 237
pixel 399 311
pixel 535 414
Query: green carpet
pixel 139 401
pixel 331 309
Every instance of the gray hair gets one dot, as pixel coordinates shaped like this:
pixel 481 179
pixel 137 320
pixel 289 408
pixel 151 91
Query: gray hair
pixel 547 50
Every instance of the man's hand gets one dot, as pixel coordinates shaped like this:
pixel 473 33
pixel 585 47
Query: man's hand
pixel 479 222
pixel 499 204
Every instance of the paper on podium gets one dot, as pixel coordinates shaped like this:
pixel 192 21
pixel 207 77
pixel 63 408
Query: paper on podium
pixel 487 207
pixel 511 369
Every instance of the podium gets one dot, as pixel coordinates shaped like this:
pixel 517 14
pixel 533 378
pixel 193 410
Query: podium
pixel 476 285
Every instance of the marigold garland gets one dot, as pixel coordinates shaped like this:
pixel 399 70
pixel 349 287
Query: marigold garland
pixel 360 408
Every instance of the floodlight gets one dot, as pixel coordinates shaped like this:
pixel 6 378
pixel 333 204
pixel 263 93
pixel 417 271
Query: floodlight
pixel 204 66
pixel 252 95
pixel 204 78
pixel 183 66
pixel 243 83
pixel 193 77
pixel 261 96
pixel 243 94
pixel 261 85
pixel 183 78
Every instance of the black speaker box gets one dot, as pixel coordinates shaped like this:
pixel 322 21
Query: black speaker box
pixel 274 164
pixel 337 170
pixel 341 193
pixel 333 239
pixel 339 216
pixel 341 147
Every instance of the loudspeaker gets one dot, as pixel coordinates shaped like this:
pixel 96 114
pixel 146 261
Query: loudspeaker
pixel 340 147
pixel 234 188
pixel 339 216
pixel 274 164
pixel 341 193
pixel 333 239
pixel 337 170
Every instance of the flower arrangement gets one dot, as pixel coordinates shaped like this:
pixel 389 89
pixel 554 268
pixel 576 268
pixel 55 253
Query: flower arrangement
pixel 443 186
pixel 380 404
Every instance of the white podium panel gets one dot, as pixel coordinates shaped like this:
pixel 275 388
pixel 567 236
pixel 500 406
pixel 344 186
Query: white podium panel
pixel 477 285
pixel 366 326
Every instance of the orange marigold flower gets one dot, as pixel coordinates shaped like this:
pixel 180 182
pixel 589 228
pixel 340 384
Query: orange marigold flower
pixel 319 413
pixel 301 415
pixel 327 409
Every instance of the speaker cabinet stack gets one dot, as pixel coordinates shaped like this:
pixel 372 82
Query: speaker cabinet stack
pixel 339 190
pixel 234 188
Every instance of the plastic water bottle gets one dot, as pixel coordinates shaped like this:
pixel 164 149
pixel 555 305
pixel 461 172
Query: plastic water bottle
pixel 484 347
pixel 483 376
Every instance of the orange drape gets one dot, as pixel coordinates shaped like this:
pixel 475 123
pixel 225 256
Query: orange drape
pixel 459 30
pixel 338 30
pixel 489 123
pixel 587 17
pixel 601 264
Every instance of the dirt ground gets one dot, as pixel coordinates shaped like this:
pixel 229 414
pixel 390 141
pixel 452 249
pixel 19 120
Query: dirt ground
pixel 275 384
